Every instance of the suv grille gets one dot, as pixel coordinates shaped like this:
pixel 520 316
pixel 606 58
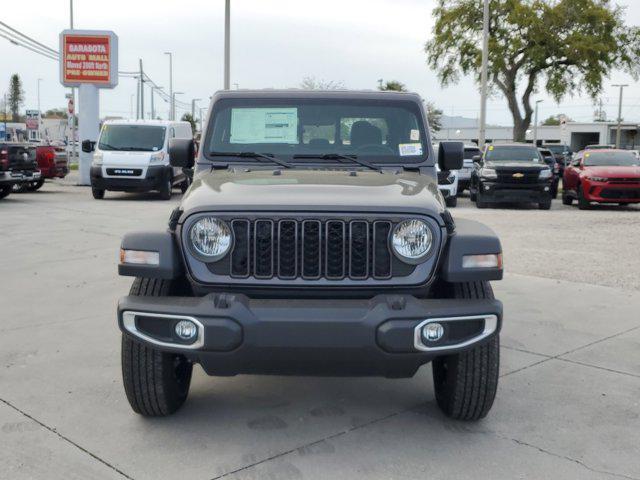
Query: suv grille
pixel 527 178
pixel 311 249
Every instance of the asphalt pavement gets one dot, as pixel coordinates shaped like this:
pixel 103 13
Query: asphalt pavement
pixel 568 403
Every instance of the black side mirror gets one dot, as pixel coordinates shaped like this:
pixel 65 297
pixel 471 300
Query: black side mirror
pixel 88 146
pixel 182 152
pixel 450 156
pixel 477 159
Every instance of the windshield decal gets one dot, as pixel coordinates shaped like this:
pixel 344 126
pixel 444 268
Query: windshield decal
pixel 264 125
pixel 407 149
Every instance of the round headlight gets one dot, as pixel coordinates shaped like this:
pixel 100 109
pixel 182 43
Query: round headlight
pixel 210 238
pixel 412 240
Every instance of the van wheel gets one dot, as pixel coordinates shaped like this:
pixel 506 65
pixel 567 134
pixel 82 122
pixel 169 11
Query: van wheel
pixel 583 203
pixel 156 383
pixel 466 383
pixel 98 194
pixel 165 189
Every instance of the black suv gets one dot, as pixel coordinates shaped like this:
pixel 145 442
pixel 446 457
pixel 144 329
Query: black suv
pixel 511 173
pixel 313 241
pixel 18 166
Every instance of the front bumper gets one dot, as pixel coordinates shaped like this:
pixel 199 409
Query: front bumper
pixel 378 336
pixel 59 171
pixel 608 192
pixel 499 192
pixel 155 177
pixel 20 176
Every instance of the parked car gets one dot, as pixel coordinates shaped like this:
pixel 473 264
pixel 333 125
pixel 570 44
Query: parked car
pixel 511 173
pixel 132 156
pixel 297 252
pixel 448 185
pixel 18 167
pixel 602 176
pixel 52 163
pixel 464 175
pixel 554 164
pixel 562 152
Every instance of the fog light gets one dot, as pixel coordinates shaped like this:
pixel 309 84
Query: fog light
pixel 486 187
pixel 432 332
pixel 186 330
pixel 546 189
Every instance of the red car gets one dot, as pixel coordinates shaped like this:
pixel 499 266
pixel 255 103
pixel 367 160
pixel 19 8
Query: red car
pixel 52 162
pixel 602 176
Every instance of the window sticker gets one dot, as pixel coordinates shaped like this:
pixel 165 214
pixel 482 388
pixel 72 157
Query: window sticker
pixel 490 147
pixel 264 125
pixel 407 149
pixel 414 135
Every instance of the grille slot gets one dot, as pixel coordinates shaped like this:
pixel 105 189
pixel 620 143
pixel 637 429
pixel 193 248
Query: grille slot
pixel 311 249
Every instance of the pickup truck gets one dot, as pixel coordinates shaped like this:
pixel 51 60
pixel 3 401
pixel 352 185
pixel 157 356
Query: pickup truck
pixel 18 167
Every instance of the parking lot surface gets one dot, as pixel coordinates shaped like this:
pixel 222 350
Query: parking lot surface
pixel 568 403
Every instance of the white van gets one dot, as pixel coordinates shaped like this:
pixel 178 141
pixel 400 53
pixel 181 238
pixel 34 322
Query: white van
pixel 133 156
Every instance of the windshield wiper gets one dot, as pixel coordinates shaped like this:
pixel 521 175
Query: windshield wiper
pixel 256 155
pixel 338 156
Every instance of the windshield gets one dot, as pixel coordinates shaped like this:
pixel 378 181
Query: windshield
pixel 140 138
pixel 610 159
pixel 498 153
pixel 373 130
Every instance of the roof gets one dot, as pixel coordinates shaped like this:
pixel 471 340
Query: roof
pixel 300 93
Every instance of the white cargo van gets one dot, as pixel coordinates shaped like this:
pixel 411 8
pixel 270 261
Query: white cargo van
pixel 133 156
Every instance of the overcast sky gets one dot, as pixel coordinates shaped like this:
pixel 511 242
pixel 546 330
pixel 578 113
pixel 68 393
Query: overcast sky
pixel 275 43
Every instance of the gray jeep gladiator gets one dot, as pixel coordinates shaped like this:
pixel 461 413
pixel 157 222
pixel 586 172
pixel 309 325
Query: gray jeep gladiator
pixel 313 241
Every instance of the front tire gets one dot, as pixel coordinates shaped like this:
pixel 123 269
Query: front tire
pixel 97 193
pixel 566 199
pixel 165 189
pixel 451 202
pixel 466 383
pixel 156 383
pixel 480 203
pixel 583 203
pixel 546 205
pixel 32 187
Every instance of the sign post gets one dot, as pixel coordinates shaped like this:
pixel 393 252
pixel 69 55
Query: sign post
pixel 88 60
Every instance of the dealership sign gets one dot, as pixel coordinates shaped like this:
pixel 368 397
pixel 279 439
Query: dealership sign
pixel 89 57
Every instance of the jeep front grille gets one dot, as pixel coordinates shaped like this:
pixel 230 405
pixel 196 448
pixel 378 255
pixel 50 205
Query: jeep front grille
pixel 311 249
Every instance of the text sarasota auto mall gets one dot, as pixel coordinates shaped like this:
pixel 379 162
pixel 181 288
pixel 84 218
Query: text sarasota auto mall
pixel 87 58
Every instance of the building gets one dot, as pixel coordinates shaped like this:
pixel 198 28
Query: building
pixel 576 134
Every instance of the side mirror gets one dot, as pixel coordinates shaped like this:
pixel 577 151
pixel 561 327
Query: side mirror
pixel 477 159
pixel 181 152
pixel 88 146
pixel 450 156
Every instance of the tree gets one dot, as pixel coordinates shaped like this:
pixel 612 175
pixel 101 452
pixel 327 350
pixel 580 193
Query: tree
pixel 16 96
pixel 434 116
pixel 55 113
pixel 311 83
pixel 391 85
pixel 555 120
pixel 188 118
pixel 563 46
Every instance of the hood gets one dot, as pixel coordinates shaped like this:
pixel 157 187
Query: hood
pixel 316 190
pixel 613 172
pixel 124 158
pixel 524 166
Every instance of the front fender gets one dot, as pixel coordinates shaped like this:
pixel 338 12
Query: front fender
pixel 169 266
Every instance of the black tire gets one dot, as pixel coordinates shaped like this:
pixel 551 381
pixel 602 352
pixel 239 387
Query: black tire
pixel 19 187
pixel 97 193
pixel 566 199
pixel 5 191
pixel 184 186
pixel 583 203
pixel 156 383
pixel 451 202
pixel 472 195
pixel 554 192
pixel 166 188
pixel 480 203
pixel 33 186
pixel 546 205
pixel 466 383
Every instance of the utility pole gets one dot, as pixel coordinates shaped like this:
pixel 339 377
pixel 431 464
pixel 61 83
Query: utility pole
pixel 172 107
pixel 138 97
pixel 535 124
pixel 141 91
pixel 484 75
pixel 619 132
pixel 227 46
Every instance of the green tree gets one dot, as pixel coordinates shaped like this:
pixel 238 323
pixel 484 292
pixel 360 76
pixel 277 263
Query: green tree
pixel 434 114
pixel 555 120
pixel 55 113
pixel 311 83
pixel 563 46
pixel 188 118
pixel 16 96
pixel 391 85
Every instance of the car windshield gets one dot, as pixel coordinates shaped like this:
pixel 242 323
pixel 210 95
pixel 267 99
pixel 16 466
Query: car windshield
pixel 498 153
pixel 140 138
pixel 307 129
pixel 611 159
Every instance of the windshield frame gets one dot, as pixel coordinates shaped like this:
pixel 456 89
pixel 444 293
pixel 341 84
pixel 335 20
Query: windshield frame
pixel 340 98
pixel 100 145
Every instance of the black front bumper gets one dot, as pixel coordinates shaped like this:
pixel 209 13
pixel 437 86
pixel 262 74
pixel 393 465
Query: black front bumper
pixel 155 177
pixel 495 192
pixel 315 337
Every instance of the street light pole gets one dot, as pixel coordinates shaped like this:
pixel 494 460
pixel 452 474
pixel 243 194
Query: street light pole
pixel 535 124
pixel 484 75
pixel 227 46
pixel 619 132
pixel 172 107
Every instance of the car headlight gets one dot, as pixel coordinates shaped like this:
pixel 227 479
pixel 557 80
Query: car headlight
pixel 97 159
pixel 157 157
pixel 210 239
pixel 545 174
pixel 412 241
pixel 488 173
pixel 598 179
